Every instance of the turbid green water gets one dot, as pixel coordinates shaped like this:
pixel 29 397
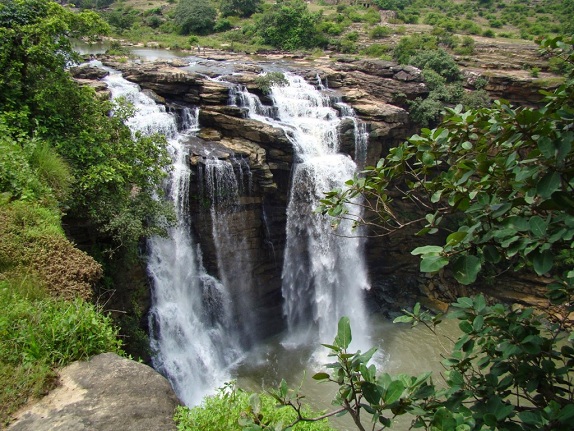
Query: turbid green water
pixel 402 349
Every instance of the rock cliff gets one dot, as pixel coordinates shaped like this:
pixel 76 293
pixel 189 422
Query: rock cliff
pixel 377 91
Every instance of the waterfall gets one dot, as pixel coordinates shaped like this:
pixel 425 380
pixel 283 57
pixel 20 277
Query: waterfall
pixel 361 133
pixel 224 182
pixel 192 332
pixel 324 272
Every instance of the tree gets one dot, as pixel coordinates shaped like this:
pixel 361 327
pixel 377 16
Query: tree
pixel 195 16
pixel 116 175
pixel 290 26
pixel 507 174
pixel 242 8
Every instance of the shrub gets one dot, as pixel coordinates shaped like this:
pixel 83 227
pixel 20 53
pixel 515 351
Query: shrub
pixel 377 50
pixel 32 242
pixel 195 16
pixel 439 61
pixel 379 31
pixel 224 411
pixel 265 82
pixel 222 25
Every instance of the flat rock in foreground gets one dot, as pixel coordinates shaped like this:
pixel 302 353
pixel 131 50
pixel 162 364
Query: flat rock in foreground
pixel 106 393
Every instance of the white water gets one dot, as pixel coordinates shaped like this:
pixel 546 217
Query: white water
pixel 234 260
pixel 324 273
pixel 193 337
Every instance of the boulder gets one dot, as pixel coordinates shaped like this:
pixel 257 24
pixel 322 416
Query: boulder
pixel 106 393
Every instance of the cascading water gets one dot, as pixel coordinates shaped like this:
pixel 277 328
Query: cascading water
pixel 193 336
pixel 225 182
pixel 324 273
pixel 361 133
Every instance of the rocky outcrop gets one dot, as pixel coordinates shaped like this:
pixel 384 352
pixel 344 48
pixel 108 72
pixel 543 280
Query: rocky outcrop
pixel 106 393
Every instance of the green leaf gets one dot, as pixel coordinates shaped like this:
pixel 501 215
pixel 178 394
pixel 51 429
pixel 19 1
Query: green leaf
pixel 491 254
pixel 321 376
pixel 465 327
pixel 455 238
pixel 464 302
pixel 543 262
pixel 478 323
pixel 548 184
pixel 537 226
pixel 403 319
pixel 546 147
pixel 466 269
pixel 427 249
pixel 394 392
pixel 343 338
pixel 433 263
pixel 566 415
pixel 255 403
pixel 372 392
pixel 443 420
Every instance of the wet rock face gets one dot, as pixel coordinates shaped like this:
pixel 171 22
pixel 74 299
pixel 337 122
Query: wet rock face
pixel 106 393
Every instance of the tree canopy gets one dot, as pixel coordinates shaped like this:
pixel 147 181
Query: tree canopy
pixel 114 174
pixel 290 25
pixel 242 8
pixel 195 16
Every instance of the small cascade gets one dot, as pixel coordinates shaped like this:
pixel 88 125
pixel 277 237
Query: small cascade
pixel 361 134
pixel 324 273
pixel 192 332
pixel 224 183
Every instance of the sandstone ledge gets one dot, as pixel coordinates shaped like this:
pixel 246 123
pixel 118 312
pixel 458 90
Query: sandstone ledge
pixel 106 393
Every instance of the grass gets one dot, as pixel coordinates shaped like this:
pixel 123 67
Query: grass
pixel 38 334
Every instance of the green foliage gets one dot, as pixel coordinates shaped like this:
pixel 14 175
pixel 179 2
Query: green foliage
pixel 377 50
pixel 242 8
pixel 33 244
pixel 38 333
pixel 121 19
pixel 409 46
pixel 508 370
pixel 195 17
pixel 290 26
pixel 266 81
pixel 379 32
pixel 393 4
pixel 438 61
pixel 222 25
pixel 234 409
pixel 506 171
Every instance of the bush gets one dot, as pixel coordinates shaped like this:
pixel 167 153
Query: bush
pixel 410 45
pixel 379 32
pixel 377 50
pixel 224 411
pixel 290 26
pixel 439 61
pixel 222 25
pixel 195 16
pixel 265 82
pixel 32 242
